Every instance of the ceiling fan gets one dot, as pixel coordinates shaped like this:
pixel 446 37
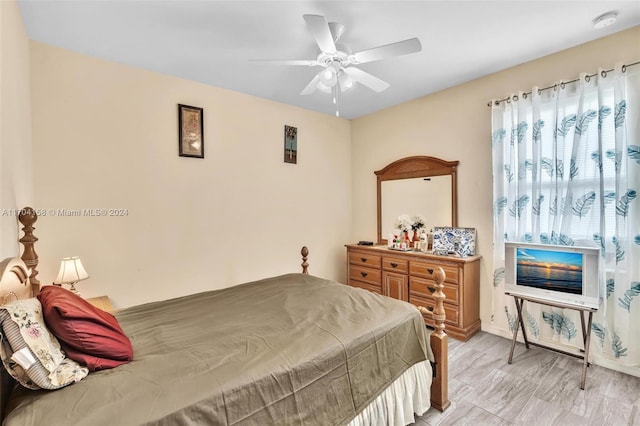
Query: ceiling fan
pixel 339 73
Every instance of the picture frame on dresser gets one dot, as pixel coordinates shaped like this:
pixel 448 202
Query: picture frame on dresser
pixel 458 241
pixel 190 131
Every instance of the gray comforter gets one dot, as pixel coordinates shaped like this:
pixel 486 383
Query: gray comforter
pixel 294 349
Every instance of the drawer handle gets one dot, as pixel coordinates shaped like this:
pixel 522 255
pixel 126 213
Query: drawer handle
pixel 431 289
pixel 364 274
pixel 394 265
pixel 363 259
pixel 430 271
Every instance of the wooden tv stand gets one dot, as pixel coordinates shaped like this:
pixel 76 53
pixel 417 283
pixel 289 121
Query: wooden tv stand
pixel 586 330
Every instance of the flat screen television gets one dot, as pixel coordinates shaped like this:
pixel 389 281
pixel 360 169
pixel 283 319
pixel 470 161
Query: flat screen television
pixel 563 274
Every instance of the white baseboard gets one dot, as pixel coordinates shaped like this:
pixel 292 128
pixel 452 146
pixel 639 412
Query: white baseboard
pixel 598 360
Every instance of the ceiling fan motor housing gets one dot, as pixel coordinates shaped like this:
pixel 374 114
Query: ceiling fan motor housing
pixel 338 58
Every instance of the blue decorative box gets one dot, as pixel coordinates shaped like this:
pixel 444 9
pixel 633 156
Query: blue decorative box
pixel 458 241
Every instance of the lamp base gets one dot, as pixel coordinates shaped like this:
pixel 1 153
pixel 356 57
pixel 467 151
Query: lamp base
pixel 73 289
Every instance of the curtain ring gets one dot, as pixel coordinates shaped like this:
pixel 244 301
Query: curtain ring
pixel 515 97
pixel 562 84
pixel 624 68
pixel 524 95
pixel 555 87
pixel 539 91
pixel 587 78
pixel 508 100
pixel 603 74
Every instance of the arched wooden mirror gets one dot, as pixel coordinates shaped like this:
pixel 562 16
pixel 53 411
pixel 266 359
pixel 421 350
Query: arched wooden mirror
pixel 417 185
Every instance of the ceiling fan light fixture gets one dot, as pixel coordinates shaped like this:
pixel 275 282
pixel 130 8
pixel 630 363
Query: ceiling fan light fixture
pixel 329 77
pixel 323 87
pixel 345 82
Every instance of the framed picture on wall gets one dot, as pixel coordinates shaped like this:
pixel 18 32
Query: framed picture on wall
pixel 190 131
pixel 290 144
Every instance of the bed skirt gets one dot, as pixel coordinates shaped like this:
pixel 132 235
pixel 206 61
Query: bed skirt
pixel 395 406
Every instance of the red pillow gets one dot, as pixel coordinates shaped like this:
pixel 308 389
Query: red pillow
pixel 87 334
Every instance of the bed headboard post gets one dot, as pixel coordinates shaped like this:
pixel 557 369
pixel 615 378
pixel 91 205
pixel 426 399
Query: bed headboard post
pixel 27 218
pixel 304 252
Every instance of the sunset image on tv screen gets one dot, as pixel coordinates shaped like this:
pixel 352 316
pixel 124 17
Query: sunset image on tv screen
pixel 549 270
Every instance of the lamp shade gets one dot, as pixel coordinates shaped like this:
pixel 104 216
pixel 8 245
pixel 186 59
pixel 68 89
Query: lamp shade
pixel 71 271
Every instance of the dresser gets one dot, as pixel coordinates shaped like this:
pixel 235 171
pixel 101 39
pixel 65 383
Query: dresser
pixel 408 276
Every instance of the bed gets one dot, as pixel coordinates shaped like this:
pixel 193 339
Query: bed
pixel 294 349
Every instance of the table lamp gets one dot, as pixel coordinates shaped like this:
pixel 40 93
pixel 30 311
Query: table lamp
pixel 71 271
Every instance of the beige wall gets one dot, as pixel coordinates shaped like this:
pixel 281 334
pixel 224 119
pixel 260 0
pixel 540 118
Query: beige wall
pixel 455 124
pixel 15 125
pixel 105 136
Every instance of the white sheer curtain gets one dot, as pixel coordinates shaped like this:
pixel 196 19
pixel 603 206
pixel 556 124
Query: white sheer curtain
pixel 566 170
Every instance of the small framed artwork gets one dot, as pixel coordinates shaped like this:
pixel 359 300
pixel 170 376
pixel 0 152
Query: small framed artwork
pixel 290 144
pixel 190 131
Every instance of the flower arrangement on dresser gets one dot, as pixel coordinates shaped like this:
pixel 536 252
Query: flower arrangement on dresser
pixel 405 224
pixel 417 223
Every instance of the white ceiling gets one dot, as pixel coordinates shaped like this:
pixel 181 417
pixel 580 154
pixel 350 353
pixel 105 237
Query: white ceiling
pixel 212 41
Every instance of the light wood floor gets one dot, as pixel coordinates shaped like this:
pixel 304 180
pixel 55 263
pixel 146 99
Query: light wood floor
pixel 541 387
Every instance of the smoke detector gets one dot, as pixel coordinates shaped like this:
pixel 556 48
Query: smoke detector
pixel 604 20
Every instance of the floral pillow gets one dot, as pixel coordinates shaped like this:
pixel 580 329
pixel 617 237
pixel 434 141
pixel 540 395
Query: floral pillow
pixel 30 353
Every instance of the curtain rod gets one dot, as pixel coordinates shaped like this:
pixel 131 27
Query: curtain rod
pixel 562 84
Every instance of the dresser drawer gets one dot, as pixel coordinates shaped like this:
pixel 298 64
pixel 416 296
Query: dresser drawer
pixel 366 286
pixel 395 265
pixel 450 311
pixel 426 287
pixel 426 269
pixel 367 275
pixel 364 259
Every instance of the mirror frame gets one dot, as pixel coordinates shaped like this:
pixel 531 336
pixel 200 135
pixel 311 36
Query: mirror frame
pixel 414 167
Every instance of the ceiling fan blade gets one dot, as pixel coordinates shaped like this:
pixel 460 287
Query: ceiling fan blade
pixel 319 29
pixel 362 77
pixel 404 47
pixel 311 87
pixel 303 62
